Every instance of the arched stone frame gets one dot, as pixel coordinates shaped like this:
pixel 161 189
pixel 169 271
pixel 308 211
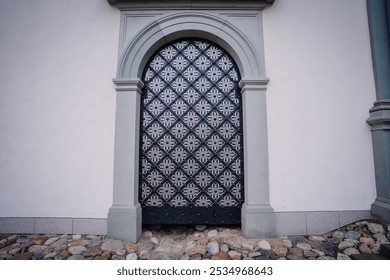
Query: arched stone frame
pixel 125 215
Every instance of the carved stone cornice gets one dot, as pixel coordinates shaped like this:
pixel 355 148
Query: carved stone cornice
pixel 380 115
pixel 192 4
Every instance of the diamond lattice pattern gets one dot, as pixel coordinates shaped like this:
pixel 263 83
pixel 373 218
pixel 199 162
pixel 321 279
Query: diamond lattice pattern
pixel 191 150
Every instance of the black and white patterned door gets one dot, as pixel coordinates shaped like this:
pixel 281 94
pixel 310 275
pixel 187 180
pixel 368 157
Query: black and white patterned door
pixel 191 136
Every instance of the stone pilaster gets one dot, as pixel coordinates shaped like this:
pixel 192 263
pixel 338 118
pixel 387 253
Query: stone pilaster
pixel 125 215
pixel 379 22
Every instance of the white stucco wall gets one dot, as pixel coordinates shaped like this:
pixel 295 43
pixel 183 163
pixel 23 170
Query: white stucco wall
pixel 319 62
pixel 57 107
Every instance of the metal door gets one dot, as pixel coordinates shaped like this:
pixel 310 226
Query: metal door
pixel 191 153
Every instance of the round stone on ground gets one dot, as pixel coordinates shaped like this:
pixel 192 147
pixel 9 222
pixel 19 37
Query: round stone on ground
pixel 264 245
pixel 212 233
pixel 351 251
pixel 280 251
pixel 304 246
pixel 235 255
pixel 352 235
pixel 213 247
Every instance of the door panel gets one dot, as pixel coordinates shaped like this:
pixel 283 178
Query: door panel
pixel 191 136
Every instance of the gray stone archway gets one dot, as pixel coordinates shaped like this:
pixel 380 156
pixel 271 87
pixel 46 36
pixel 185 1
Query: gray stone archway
pixel 225 29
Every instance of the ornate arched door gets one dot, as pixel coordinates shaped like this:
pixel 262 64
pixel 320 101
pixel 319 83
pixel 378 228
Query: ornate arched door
pixel 191 152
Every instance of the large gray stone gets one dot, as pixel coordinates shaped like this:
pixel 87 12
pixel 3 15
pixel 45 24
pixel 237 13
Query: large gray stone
pixel 354 235
pixel 375 228
pixel 76 250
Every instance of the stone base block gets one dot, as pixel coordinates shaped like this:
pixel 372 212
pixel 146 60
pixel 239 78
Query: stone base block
pixel 125 223
pixel 380 210
pixel 258 221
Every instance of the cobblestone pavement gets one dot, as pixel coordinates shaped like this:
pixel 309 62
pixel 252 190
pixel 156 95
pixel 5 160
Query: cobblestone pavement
pixel 197 243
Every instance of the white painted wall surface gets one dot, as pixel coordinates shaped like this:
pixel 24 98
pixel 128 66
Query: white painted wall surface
pixel 57 107
pixel 318 59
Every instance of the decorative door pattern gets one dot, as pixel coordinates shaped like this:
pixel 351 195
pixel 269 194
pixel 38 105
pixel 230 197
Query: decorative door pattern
pixel 191 136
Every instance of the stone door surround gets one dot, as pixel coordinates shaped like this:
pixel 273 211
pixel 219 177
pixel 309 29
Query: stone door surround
pixel 233 31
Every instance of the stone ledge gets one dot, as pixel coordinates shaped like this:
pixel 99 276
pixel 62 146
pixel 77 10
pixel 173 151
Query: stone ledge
pixel 191 4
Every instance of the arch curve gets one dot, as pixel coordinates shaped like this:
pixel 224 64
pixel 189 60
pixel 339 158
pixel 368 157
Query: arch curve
pixel 193 24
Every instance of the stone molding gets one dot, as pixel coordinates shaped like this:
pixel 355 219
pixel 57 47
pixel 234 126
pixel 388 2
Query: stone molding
pixel 380 115
pixel 136 48
pixel 181 24
pixel 253 85
pixel 191 4
pixel 129 85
